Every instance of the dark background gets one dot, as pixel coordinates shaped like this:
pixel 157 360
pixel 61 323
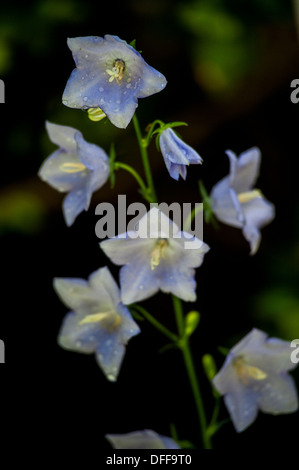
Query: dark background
pixel 229 65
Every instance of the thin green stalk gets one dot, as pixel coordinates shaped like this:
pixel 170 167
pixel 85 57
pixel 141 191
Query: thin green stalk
pixel 145 160
pixel 185 348
pixel 191 216
pixel 134 173
pixel 156 323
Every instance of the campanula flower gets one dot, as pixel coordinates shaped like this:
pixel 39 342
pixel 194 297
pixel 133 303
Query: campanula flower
pixel 98 323
pixel 155 257
pixel 110 74
pixel 77 167
pixel 146 439
pixel 177 155
pixel 235 203
pixel 254 377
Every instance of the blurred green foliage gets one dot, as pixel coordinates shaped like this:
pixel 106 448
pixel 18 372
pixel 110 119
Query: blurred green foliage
pixel 227 38
pixel 21 211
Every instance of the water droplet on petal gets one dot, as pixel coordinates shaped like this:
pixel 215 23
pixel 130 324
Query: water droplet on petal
pixel 85 98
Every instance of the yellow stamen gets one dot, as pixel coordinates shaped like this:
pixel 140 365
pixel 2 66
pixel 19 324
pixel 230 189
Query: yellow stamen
pixel 95 317
pixel 71 167
pixel 249 195
pixel 111 320
pixel 96 114
pixel 246 372
pixel 158 253
pixel 117 71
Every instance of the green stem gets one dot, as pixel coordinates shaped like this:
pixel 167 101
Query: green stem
pixel 145 160
pixel 185 348
pixel 156 323
pixel 215 413
pixel 191 216
pixel 134 173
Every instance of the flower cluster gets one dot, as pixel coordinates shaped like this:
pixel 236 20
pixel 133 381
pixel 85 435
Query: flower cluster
pixel 109 78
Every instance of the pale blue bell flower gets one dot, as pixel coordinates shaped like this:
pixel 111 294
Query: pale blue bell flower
pixel 177 154
pixel 146 439
pixel 77 167
pixel 254 377
pixel 98 323
pixel 235 203
pixel 111 75
pixel 155 257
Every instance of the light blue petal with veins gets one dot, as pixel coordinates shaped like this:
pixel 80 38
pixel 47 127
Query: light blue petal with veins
pixel 223 205
pixel 102 282
pixel 63 136
pixel 74 203
pixel 121 250
pixel 137 281
pixel 242 406
pixel 74 293
pixel 52 173
pixel 91 155
pixel 244 170
pixel 277 394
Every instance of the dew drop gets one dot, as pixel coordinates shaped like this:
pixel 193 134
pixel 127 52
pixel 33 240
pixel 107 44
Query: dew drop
pixel 85 98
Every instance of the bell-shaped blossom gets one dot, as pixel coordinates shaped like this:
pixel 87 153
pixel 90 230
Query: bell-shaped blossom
pixel 146 439
pixel 110 74
pixel 235 203
pixel 177 155
pixel 98 323
pixel 254 377
pixel 77 167
pixel 155 257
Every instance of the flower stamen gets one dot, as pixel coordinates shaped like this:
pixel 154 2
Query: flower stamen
pixel 246 372
pixel 111 320
pixel 117 71
pixel 71 167
pixel 158 253
pixel 96 114
pixel 249 196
